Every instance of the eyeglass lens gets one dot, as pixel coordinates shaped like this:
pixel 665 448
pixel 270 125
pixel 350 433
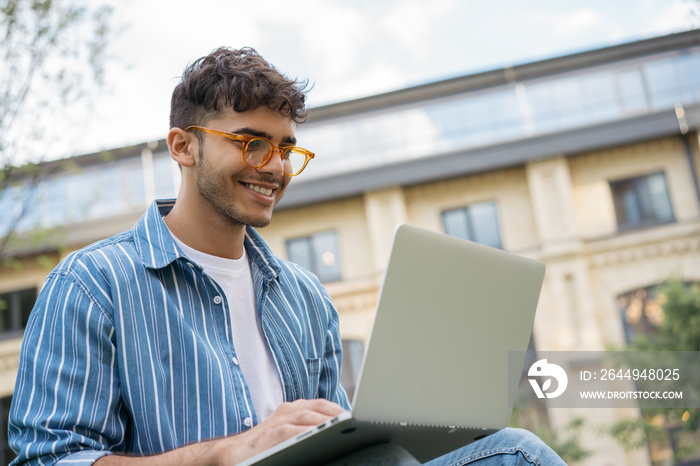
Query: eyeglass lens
pixel 257 150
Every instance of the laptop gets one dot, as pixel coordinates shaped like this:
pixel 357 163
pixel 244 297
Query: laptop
pixel 436 373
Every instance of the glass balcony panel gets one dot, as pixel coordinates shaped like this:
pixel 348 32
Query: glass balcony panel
pixel 662 81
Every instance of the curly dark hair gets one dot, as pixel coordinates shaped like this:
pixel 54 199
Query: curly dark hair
pixel 238 79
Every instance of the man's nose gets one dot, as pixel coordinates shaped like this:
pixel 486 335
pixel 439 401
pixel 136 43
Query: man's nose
pixel 274 164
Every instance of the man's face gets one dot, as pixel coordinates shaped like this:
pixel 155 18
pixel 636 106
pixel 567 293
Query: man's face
pixel 238 193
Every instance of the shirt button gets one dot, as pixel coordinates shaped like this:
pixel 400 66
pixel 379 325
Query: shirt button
pixel 248 422
pixel 235 361
pixel 217 299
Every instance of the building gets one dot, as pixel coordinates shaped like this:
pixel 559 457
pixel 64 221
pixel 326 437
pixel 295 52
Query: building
pixel 588 162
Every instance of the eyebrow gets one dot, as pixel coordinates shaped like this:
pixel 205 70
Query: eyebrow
pixel 263 134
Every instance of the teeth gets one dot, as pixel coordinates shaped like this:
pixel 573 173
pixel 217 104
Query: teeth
pixel 259 189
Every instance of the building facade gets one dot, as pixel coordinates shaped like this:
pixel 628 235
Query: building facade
pixel 588 162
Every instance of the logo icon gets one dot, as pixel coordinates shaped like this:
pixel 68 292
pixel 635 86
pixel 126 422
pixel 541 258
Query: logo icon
pixel 551 371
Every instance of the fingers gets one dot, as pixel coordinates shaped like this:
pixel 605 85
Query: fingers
pixel 288 420
pixel 294 417
pixel 308 412
pixel 297 416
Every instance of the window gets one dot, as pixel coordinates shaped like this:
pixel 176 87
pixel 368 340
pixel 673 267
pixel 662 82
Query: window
pixel 449 118
pixel 29 207
pixel 557 104
pixel 641 312
pixel 644 310
pixel 642 201
pixel 662 81
pixel 6 453
pixel 135 186
pixel 632 90
pixel 109 190
pixel 651 317
pixel 318 254
pixel 490 117
pixel 55 208
pixel 353 351
pixel 15 308
pixel 689 70
pixel 476 222
pixel 9 209
pixel 163 167
pixel 601 96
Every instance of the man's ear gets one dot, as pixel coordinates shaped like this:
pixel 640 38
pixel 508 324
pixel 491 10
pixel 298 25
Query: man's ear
pixel 182 146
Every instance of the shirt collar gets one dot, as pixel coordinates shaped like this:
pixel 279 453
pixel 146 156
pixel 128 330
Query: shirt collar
pixel 260 254
pixel 158 249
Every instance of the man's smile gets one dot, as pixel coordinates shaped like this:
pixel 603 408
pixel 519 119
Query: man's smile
pixel 259 189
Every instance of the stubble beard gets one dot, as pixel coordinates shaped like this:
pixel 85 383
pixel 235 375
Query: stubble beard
pixel 213 191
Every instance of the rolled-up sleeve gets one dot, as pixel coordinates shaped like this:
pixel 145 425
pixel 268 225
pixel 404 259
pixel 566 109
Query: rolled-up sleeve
pixel 66 404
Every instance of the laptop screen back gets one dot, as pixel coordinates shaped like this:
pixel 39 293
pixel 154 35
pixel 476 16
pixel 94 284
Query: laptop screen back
pixel 449 311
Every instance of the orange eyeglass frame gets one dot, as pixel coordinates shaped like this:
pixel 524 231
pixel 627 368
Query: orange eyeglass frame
pixel 247 139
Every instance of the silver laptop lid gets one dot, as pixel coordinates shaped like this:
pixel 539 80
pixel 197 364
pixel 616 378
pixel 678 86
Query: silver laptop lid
pixel 449 311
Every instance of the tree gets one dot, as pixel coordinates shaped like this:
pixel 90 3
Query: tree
pixel 678 332
pixel 53 55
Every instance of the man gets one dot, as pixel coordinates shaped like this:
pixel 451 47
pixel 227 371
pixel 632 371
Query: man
pixel 185 340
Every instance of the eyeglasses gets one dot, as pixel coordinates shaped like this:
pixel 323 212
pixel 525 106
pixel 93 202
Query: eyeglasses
pixel 256 151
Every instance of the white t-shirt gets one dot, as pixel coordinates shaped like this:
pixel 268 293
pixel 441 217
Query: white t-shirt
pixel 252 351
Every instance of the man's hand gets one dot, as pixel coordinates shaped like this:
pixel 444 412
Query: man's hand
pixel 288 420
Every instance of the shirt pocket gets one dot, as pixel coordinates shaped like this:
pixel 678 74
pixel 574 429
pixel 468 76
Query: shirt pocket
pixel 313 369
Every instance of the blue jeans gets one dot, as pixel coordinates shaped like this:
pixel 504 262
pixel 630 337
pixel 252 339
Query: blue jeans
pixel 506 447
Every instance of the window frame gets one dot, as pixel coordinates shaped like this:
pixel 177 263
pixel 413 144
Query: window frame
pixel 639 188
pixel 472 234
pixel 15 311
pixel 314 258
pixel 6 453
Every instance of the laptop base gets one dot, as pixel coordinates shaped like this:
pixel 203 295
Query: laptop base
pixel 336 439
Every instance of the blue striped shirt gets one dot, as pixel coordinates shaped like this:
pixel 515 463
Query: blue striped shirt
pixel 129 349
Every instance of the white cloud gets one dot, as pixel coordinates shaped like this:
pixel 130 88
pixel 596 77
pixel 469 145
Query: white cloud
pixel 675 17
pixel 336 48
pixel 577 22
pixel 411 21
pixel 350 48
pixel 377 78
pixel 331 36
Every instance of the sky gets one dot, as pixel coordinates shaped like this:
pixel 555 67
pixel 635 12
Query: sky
pixel 349 49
